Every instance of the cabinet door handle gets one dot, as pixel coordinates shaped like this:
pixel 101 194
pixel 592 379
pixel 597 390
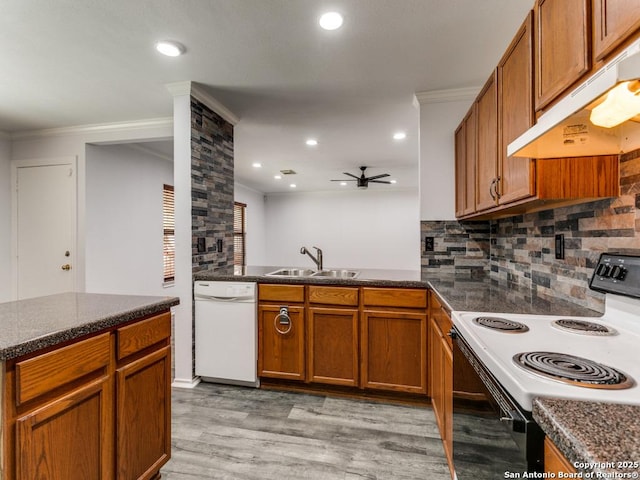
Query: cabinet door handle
pixel 493 182
pixel 282 318
pixel 495 188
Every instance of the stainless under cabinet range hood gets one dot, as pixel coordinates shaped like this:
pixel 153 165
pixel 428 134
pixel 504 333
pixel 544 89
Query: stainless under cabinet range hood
pixel 600 117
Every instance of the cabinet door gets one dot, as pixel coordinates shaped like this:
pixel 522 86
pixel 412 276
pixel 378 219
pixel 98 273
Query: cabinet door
pixel 487 155
pixel 143 429
pixel 515 86
pixel 394 351
pixel 68 438
pixel 435 370
pixel 332 348
pixel 614 21
pixel 563 33
pixel 281 342
pixel 447 400
pixel 466 137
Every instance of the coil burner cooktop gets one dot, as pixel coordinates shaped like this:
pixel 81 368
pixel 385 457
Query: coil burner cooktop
pixel 583 327
pixel 573 370
pixel 501 324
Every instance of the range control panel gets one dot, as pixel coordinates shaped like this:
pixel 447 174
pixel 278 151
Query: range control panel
pixel 619 274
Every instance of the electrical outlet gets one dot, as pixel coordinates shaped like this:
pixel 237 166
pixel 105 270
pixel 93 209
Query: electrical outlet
pixel 202 246
pixel 559 242
pixel 429 244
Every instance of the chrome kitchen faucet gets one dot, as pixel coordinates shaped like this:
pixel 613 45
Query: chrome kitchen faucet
pixel 317 260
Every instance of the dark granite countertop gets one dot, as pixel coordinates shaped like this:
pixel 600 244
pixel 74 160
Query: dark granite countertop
pixel 33 324
pixel 367 277
pixel 456 292
pixel 488 295
pixel 593 436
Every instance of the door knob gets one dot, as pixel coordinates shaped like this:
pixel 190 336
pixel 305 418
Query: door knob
pixel 66 267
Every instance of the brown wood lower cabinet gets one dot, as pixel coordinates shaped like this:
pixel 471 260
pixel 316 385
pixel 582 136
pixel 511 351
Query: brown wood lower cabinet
pixel 68 437
pixel 77 412
pixel 281 338
pixel 441 373
pixel 143 404
pixel 332 352
pixel 394 351
pixel 554 461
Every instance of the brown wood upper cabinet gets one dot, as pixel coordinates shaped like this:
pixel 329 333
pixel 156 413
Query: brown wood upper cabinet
pixel 563 47
pixel 465 145
pixel 614 21
pixel 487 148
pixel 516 176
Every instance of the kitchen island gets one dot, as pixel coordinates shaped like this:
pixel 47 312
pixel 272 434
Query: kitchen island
pixel 85 386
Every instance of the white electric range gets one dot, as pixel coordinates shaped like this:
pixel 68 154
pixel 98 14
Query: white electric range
pixel 518 357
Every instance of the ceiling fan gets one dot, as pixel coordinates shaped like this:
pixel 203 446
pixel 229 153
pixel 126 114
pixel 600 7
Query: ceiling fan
pixel 363 181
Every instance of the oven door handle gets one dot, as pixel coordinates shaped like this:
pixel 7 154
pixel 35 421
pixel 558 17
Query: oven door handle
pixel 514 420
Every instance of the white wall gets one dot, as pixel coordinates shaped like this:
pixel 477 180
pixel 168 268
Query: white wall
pixel 256 223
pixel 124 220
pixel 440 114
pixel 73 141
pixel 354 229
pixel 5 219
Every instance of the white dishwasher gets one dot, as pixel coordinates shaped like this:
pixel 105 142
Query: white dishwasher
pixel 226 332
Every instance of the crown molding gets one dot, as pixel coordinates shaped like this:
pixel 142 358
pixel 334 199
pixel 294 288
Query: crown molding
pixel 197 91
pixel 96 128
pixel 451 95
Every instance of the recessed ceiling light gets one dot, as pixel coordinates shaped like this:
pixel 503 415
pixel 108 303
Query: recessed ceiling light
pixel 278 177
pixel 312 142
pixel 293 185
pixel 331 21
pixel 170 48
pixel 256 165
pixel 393 181
pixel 344 184
pixel 399 136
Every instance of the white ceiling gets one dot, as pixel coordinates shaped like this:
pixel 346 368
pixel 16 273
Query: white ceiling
pixel 77 62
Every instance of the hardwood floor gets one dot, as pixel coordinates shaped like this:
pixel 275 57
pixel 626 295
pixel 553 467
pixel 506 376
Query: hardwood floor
pixel 226 432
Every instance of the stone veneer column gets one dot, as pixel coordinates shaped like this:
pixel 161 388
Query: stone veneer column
pixel 211 189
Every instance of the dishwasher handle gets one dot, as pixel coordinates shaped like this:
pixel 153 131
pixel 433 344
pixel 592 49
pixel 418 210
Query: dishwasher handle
pixel 215 298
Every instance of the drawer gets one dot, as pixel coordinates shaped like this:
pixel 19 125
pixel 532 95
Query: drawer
pixel 394 297
pixel 281 293
pixel 140 335
pixel 41 374
pixel 333 295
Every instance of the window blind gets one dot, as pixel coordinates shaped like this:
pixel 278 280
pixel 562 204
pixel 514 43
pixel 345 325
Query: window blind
pixel 169 238
pixel 239 234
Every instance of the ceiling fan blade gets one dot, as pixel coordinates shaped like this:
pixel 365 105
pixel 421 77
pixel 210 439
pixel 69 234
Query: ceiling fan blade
pixel 379 181
pixel 344 180
pixel 351 175
pixel 378 176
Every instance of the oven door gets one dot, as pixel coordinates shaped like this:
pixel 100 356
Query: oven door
pixel 492 435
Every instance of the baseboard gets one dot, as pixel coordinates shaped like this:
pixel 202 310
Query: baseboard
pixel 185 383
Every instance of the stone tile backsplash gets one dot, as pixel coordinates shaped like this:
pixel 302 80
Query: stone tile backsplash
pixel 520 249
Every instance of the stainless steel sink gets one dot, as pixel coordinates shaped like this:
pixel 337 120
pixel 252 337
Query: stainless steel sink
pixel 337 273
pixel 291 272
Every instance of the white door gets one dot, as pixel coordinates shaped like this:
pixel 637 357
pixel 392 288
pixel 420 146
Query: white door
pixel 45 214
